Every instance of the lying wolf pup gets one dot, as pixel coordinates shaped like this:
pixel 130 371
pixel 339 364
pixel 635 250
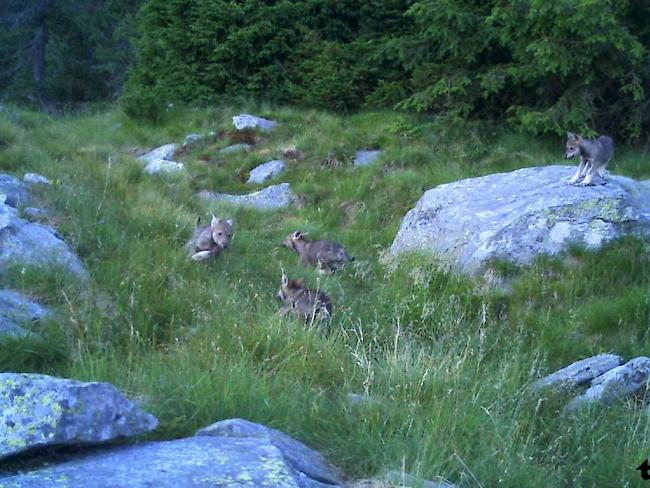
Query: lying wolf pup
pixel 298 299
pixel 594 156
pixel 209 240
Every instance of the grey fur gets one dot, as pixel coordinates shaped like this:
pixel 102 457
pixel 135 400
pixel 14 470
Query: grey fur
pixel 328 256
pixel 594 156
pixel 209 240
pixel 300 300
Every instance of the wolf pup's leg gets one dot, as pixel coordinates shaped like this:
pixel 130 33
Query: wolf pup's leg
pixel 579 172
pixel 593 171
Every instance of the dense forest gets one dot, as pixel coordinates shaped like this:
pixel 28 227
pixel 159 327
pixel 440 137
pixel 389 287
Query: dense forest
pixel 541 66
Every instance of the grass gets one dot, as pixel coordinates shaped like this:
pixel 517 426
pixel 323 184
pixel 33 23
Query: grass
pixel 443 361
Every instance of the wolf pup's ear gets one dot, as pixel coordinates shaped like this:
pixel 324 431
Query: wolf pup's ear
pixel 214 221
pixel 285 280
pixel 230 222
pixel 571 136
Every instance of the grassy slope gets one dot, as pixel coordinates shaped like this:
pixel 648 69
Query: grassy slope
pixel 445 361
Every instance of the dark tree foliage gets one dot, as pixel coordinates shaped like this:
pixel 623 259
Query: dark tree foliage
pixel 61 51
pixel 545 66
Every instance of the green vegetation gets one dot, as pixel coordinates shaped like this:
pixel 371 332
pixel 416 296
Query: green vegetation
pixel 445 361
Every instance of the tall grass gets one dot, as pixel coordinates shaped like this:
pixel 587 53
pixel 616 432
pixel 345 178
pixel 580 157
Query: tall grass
pixel 441 361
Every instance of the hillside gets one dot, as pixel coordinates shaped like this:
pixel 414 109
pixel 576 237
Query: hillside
pixel 442 362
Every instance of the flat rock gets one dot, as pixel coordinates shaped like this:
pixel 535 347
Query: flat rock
pixel 14 190
pixel 614 385
pixel 195 462
pixel 266 171
pixel 157 166
pixel 35 179
pixel 519 215
pixel 270 198
pixel 39 410
pixel 247 121
pixel 297 456
pixel 579 372
pixel 163 152
pixel 366 157
pixel 31 244
pixel 235 148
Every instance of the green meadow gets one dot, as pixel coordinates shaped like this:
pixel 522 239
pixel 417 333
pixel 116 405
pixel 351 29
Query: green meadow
pixel 442 361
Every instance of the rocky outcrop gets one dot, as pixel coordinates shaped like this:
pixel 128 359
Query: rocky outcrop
pixel 366 157
pixel 30 244
pixel 253 459
pixel 518 215
pixel 247 121
pixel 38 411
pixel 270 198
pixel 300 458
pixel 17 310
pixel 266 171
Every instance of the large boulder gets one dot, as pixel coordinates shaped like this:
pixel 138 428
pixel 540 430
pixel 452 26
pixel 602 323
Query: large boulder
pixel 38 411
pixel 30 244
pixel 296 455
pixel 247 121
pixel 16 310
pixel 202 461
pixel 270 198
pixel 518 215
pixel 266 171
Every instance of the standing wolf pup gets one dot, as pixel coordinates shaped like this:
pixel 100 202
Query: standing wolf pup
pixel 329 256
pixel 594 156
pixel 209 240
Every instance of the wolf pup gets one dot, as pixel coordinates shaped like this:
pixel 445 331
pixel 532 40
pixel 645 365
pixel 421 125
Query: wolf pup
pixel 209 240
pixel 327 255
pixel 594 156
pixel 307 304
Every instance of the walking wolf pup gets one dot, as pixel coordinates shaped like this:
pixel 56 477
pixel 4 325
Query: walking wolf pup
pixel 594 156
pixel 303 302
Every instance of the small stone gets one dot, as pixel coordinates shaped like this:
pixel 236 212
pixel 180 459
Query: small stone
pixel 266 171
pixel 35 214
pixel 157 166
pixel 270 198
pixel 163 152
pixel 366 157
pixel 235 148
pixel 192 138
pixel 247 121
pixel 35 179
